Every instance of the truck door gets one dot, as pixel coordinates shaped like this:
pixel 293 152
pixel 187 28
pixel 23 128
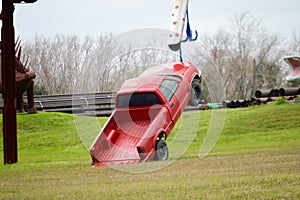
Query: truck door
pixel 169 88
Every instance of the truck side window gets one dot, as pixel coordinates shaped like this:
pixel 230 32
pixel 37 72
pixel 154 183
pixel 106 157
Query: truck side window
pixel 168 88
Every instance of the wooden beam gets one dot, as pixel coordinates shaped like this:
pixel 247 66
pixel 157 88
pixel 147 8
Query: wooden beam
pixel 8 84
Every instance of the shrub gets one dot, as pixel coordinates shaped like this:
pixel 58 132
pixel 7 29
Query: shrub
pixel 280 101
pixel 296 99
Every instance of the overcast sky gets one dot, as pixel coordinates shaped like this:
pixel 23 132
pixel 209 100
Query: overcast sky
pixel 93 17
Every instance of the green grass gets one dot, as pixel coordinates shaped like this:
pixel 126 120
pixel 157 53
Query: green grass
pixel 257 156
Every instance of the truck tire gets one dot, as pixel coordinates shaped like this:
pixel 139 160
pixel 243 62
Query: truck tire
pixel 161 150
pixel 195 93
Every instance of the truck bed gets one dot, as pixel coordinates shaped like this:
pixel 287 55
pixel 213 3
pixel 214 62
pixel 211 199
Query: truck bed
pixel 125 132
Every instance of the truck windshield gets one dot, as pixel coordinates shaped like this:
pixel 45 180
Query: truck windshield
pixel 137 100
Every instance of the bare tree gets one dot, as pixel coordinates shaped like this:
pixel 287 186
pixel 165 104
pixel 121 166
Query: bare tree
pixel 65 64
pixel 234 51
pixel 267 66
pixel 68 64
pixel 294 44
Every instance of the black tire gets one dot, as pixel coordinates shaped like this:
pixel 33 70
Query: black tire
pixel 195 93
pixel 161 150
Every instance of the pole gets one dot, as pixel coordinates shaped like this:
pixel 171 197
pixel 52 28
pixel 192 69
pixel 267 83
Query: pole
pixel 8 84
pixel 254 78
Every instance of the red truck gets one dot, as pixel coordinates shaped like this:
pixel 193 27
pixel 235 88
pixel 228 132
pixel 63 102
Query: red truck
pixel 146 110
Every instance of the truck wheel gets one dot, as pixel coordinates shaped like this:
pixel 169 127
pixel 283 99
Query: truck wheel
pixel 195 93
pixel 161 150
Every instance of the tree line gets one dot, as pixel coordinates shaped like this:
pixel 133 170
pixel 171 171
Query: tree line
pixel 245 55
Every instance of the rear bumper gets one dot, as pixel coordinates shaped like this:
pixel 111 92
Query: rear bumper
pixel 114 162
pixel 142 157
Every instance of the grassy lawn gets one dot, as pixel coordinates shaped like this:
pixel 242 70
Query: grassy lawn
pixel 256 156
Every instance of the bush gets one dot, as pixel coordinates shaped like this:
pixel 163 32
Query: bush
pixel 280 101
pixel 296 99
pixel 40 90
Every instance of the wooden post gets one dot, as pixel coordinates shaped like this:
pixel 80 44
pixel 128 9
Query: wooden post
pixel 8 84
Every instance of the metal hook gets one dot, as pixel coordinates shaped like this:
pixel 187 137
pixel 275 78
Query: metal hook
pixel 194 39
pixel 189 36
pixel 189 32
